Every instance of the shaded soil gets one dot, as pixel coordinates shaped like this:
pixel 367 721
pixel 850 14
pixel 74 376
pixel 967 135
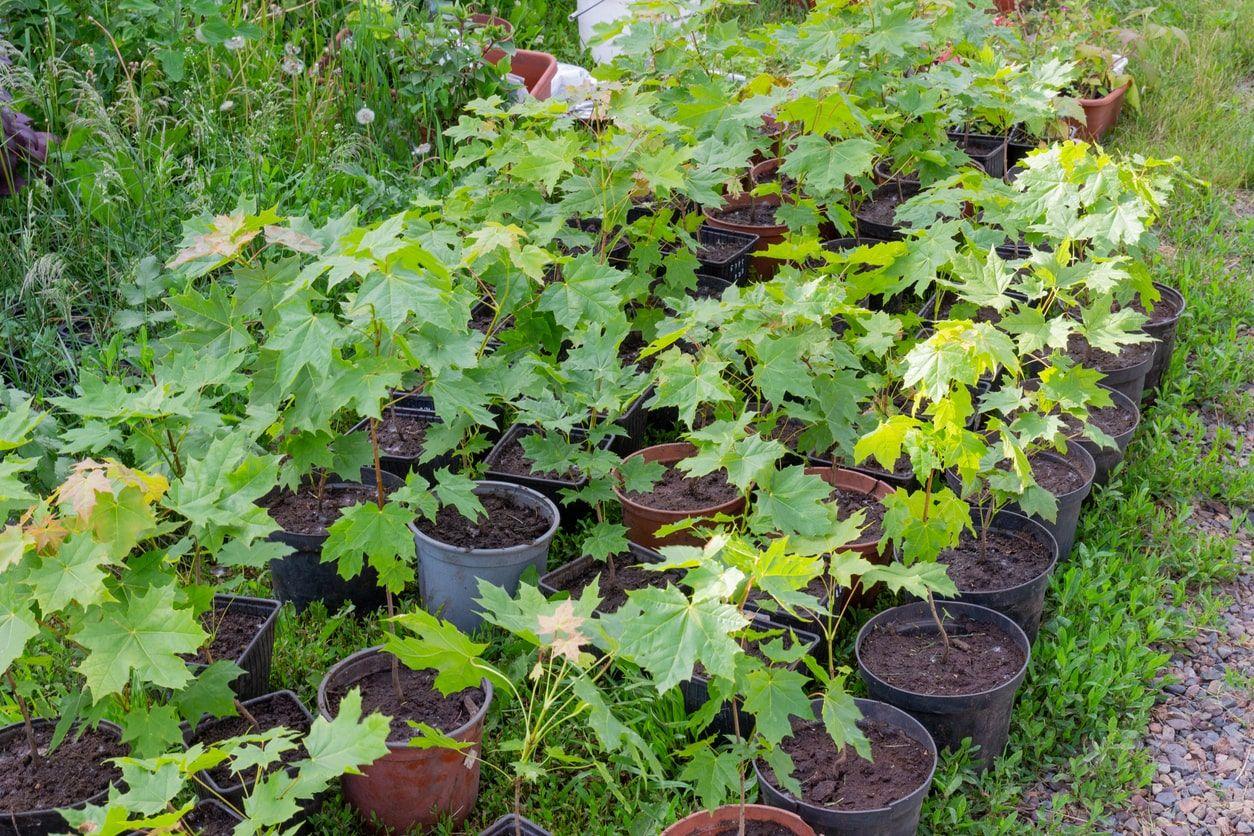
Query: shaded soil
pixel 1055 475
pixel 787 184
pixel 73 773
pixel 1079 351
pixel 718 252
pixel 882 208
pixel 708 287
pixel 481 319
pixel 231 631
pixel 844 780
pixel 676 491
pixel 270 713
pixel 1164 309
pixel 850 501
pixel 210 820
pixel 1113 420
pixel 756 828
pixel 751 214
pixel 403 435
pixel 975 146
pixel 912 656
pixel 511 458
pixel 1008 559
pixel 302 513
pixel 421 702
pixel 506 523
pixel 627 577
pixel 631 346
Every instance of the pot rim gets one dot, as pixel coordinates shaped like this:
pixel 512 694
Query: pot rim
pixel 377 651
pixel 1168 290
pixel 494 486
pixel 743 200
pixel 1109 98
pixel 334 480
pixel 21 815
pixel 1005 622
pixel 1051 542
pixel 879 484
pixel 699 815
pixel 671 447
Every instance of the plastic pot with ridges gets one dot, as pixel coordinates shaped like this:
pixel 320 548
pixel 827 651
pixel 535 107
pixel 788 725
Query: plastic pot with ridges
pixel 256 657
pixel 643 521
pixel 1105 459
pixel 1165 332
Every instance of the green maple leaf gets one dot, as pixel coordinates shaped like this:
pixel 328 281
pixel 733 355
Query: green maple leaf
pixel 884 442
pixel 774 696
pixel 823 165
pixel 585 294
pixel 603 539
pixel 345 744
pixel 17 624
pixel 210 693
pixel 74 573
pixel 791 501
pixel 378 536
pixel 303 339
pixel 923 524
pixel 458 490
pixel 745 460
pixel 121 520
pixel 145 635
pixel 17 423
pixel 920 580
pixel 687 384
pixel 666 633
pixel 544 160
pixel 714 775
pixel 781 369
pixel 433 644
pixel 212 322
pixel 151 730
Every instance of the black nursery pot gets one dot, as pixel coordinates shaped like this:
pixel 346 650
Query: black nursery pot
pixel 1105 458
pixel 301 577
pixel 402 466
pixel 1022 604
pixel 1130 380
pixel 734 267
pixel 572 512
pixel 511 824
pixel 989 151
pixel 211 809
pixel 257 656
pixel 635 423
pixel 47 821
pixel 1165 332
pixel 234 793
pixel 984 716
pixel 868 228
pixel 554 582
pixel 900 818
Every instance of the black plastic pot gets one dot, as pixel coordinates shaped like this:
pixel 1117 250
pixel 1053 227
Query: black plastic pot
pixel 880 231
pixel 1130 380
pixel 1018 146
pixel 989 151
pixel 301 577
pixel 572 512
pixel 511 824
pixel 210 806
pixel 696 691
pixel 47 821
pixel 402 466
pixel 735 267
pixel 1105 458
pixel 901 818
pixel 256 658
pixel 1165 333
pixel 234 793
pixel 1022 604
pixel 984 716
pixel 552 583
pixel 634 423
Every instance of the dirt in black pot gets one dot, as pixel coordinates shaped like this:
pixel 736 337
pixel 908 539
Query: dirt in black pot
pixel 1114 420
pixel 1002 560
pixel 231 630
pixel 718 252
pixel 512 459
pixel 677 491
pixel 403 434
pixel 271 712
pixel 627 576
pixel 75 771
pixel 303 512
pixel 847 502
pixel 1054 473
pixel 210 820
pixel 912 656
pixel 881 207
pixel 420 701
pixel 1080 351
pixel 506 522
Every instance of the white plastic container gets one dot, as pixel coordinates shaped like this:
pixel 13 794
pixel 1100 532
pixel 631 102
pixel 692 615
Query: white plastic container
pixel 590 13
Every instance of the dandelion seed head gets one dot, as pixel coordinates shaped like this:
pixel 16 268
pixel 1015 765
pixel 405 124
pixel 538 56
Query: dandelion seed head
pixel 365 116
pixel 234 43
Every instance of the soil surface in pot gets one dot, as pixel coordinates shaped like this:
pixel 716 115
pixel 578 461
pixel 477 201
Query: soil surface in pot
pixel 513 459
pixel 1113 420
pixel 677 491
pixel 976 145
pixel 481 319
pixel 707 288
pixel 627 577
pixel 912 657
pixel 882 208
pixel 1057 477
pixel 1079 350
pixel 951 308
pixel 850 501
pixel 1162 310
pixel 210 820
pixel 756 828
pixel 231 630
pixel 787 184
pixel 421 702
pixel 631 346
pixel 75 771
pixel 718 252
pixel 841 779
pixel 1007 559
pixel 302 513
pixel 506 523
pixel 751 214
pixel 403 435
pixel 278 710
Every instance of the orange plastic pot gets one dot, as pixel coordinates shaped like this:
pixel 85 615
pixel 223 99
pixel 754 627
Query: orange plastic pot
pixel 709 823
pixel 642 522
pixel 767 235
pixel 1100 115
pixel 536 69
pixel 409 787
pixel 869 548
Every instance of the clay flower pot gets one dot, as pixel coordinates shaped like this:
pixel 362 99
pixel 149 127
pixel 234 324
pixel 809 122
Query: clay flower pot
pixel 643 521
pixel 1101 114
pixel 767 234
pixel 709 823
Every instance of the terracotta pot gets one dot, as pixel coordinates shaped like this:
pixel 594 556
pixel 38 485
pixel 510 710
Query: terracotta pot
pixel 1006 6
pixel 535 68
pixel 767 235
pixel 851 480
pixel 409 787
pixel 643 522
pixel 708 823
pixel 481 20
pixel 1101 114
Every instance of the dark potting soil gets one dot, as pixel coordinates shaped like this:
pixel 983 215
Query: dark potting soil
pixel 751 214
pixel 1007 559
pixel 302 513
pixel 707 288
pixel 841 779
pixel 717 252
pixel 1104 361
pixel 952 308
pixel 976 145
pixel 505 523
pixel 756 828
pixel 787 184
pixel 231 631
pixel 627 576
pixel 631 346
pixel 481 319
pixel 421 702
pixel 850 501
pixel 677 491
pixel 278 710
pixel 74 772
pixel 513 459
pixel 403 435
pixel 912 657
pixel 882 208
pixel 1113 420
pixel 1164 309
pixel 210 820
pixel 1056 475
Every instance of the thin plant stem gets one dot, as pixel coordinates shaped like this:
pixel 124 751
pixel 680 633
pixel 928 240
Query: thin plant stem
pixel 27 723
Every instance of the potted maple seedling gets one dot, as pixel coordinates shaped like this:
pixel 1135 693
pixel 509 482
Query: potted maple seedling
pixel 564 683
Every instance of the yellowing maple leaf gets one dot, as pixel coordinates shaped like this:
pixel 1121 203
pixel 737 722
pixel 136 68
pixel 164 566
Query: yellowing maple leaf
pixel 293 240
pixel 225 238
pixel 561 631
pixel 152 486
pixel 80 487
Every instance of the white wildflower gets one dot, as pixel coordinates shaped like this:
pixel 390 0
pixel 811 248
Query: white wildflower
pixel 234 43
pixel 293 65
pixel 365 116
pixel 227 106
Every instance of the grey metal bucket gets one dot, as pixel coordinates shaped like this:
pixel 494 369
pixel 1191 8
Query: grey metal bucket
pixel 449 575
